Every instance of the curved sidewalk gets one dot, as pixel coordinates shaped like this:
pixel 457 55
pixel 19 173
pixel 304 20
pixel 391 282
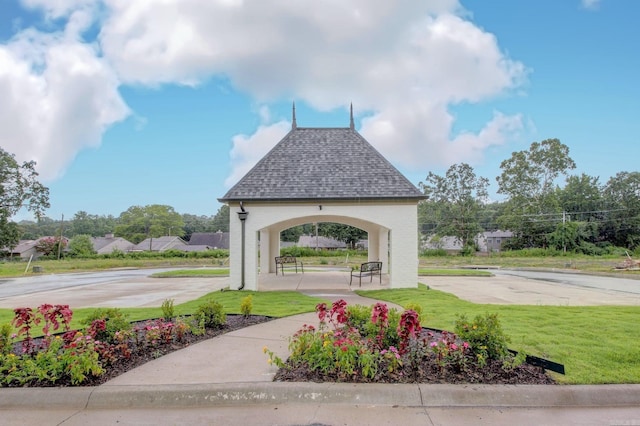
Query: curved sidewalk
pixel 227 380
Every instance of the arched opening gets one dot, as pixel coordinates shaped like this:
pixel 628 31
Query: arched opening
pixel 270 238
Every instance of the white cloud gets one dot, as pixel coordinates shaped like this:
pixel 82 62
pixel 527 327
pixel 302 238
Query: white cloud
pixel 248 150
pixel 54 9
pixel 591 4
pixel 403 63
pixel 56 98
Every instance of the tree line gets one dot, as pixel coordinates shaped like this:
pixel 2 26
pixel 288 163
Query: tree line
pixel 135 224
pixel 545 206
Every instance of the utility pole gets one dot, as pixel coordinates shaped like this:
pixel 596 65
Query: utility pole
pixel 60 240
pixel 564 230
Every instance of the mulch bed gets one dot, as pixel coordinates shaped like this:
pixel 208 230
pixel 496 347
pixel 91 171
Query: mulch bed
pixel 492 374
pixel 138 358
pixel 427 372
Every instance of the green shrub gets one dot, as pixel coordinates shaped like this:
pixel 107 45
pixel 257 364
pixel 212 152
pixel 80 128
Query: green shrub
pixel 485 336
pixel 417 309
pixel 115 320
pixel 359 317
pixel 532 252
pixel 434 253
pixel 81 246
pixel 246 305
pixel 212 314
pixel 168 313
pixel 5 338
pixel 311 252
pixel 468 250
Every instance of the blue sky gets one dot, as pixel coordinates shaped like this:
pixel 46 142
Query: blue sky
pixel 135 103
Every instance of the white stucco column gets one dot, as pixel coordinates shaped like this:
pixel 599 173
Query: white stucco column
pixel 250 267
pixel 403 245
pixel 374 243
pixel 383 249
pixel 265 257
pixel 274 248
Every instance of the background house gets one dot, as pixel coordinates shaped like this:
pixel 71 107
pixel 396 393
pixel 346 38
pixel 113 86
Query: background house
pixel 161 244
pixel 321 243
pixel 491 241
pixel 23 250
pixel 487 242
pixel 109 243
pixel 213 240
pixel 27 248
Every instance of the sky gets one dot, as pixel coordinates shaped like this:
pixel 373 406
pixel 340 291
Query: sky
pixel 130 103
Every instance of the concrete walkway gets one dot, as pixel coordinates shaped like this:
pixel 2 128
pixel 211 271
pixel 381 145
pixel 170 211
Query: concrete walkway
pixel 227 380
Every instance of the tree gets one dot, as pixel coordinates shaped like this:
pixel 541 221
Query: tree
pixel 581 197
pixel 350 235
pixel 50 246
pixel 9 234
pixel 622 197
pixel 459 197
pixel 152 221
pixel 221 220
pixel 292 234
pixel 529 179
pixel 19 188
pixel 81 246
pixel 84 223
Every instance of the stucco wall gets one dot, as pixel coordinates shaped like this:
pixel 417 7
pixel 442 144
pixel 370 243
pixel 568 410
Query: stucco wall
pixel 398 220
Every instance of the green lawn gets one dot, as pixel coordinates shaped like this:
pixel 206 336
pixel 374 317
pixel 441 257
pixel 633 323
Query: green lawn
pixel 597 344
pixel 271 303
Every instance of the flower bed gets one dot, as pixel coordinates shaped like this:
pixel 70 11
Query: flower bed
pixel 106 348
pixel 362 344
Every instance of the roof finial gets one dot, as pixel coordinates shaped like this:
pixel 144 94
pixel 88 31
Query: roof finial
pixel 294 125
pixel 351 124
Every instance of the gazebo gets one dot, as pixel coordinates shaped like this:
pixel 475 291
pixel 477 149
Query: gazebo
pixel 323 175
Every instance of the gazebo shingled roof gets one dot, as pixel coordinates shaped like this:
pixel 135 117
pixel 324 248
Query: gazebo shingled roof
pixel 323 164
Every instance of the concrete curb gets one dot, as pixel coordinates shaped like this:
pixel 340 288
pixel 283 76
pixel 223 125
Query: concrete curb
pixel 400 395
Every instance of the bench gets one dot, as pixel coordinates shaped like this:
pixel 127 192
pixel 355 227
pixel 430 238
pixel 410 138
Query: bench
pixel 288 260
pixel 367 269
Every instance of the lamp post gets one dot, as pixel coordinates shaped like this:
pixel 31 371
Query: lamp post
pixel 242 215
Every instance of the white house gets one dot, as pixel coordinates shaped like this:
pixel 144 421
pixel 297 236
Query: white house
pixel 323 175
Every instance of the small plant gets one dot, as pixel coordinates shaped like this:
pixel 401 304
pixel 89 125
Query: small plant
pixel 486 338
pixel 115 321
pixel 24 319
pixel 246 305
pixel 408 328
pixel 167 310
pixel 5 339
pixel 196 325
pixel 449 351
pixel 273 358
pixel 214 316
pixel 415 307
pixel 181 328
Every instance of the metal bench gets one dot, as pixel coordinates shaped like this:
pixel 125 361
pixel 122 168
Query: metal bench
pixel 281 261
pixel 367 269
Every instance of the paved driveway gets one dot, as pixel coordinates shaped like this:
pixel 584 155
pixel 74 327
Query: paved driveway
pixel 135 288
pixel 540 288
pixel 123 288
